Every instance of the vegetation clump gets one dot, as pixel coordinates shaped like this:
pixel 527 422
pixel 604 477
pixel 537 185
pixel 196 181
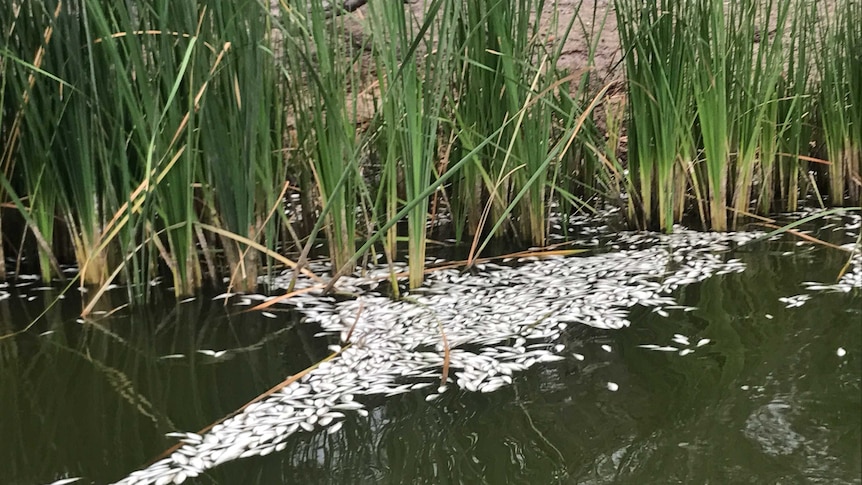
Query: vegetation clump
pixel 210 139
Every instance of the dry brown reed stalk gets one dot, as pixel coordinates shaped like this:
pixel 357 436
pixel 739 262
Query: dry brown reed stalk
pixel 256 232
pixel 355 321
pixel 248 242
pixel 281 385
pixel 807 237
pixel 850 259
pixel 274 300
pixel 446 355
pixel 773 224
pixel 9 149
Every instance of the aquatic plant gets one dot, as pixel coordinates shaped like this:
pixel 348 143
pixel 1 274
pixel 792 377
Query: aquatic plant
pixel 726 91
pixel 211 140
pixel 840 69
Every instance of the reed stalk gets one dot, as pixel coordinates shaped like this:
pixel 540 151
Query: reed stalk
pixel 755 62
pixel 152 136
pixel 795 107
pixel 318 67
pixel 414 91
pixel 657 40
pixel 840 72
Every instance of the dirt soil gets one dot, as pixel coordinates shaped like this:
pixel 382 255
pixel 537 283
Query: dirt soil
pixel 596 18
pixel 592 14
pixel 595 24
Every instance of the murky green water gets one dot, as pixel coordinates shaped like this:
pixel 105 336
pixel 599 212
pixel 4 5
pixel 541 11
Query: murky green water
pixel 768 401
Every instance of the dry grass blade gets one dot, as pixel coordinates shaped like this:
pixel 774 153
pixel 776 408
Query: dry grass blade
pixel 281 385
pixel 446 355
pixel 355 321
pixel 248 242
pixel 807 237
pixel 274 300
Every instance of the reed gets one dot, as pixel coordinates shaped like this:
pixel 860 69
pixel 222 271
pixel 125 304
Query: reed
pixel 318 69
pixel 163 136
pixel 726 91
pixel 508 75
pixel 413 92
pixel 658 40
pixel 242 125
pixel 840 70
pixel 755 62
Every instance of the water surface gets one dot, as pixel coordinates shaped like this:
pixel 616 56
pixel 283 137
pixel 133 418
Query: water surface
pixel 768 400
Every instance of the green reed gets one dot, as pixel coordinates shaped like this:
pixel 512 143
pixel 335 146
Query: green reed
pixel 506 72
pixel 724 92
pixel 657 41
pixel 413 91
pixel 319 67
pixel 755 61
pixel 164 136
pixel 149 108
pixel 795 108
pixel 242 128
pixel 840 100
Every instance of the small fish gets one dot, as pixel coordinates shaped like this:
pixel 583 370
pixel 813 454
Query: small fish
pixel 335 427
pixel 613 386
pixel 64 481
pixel 680 339
pixel 212 353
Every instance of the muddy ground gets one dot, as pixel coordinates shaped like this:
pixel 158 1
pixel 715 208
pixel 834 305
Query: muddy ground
pixel 595 25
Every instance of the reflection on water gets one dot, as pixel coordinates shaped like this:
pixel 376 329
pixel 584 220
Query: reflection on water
pixel 769 427
pixel 768 400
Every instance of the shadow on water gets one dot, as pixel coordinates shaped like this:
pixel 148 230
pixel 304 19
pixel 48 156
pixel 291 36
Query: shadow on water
pixel 767 400
pixel 96 399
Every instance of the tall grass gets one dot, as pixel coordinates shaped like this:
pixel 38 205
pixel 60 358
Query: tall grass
pixel 162 136
pixel 840 100
pixel 413 90
pixel 149 107
pixel 727 91
pixel 658 41
pixel 319 64
pixel 755 61
pixel 509 77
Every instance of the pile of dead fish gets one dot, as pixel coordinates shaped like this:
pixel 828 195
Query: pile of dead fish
pixel 497 321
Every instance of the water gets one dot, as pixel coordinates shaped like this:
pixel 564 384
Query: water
pixel 768 400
